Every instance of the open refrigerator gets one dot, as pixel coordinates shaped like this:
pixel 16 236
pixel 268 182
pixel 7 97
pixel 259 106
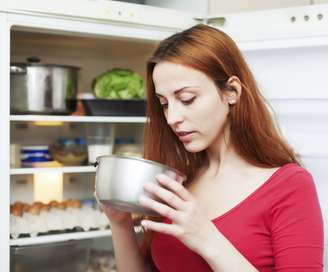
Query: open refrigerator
pixel 287 50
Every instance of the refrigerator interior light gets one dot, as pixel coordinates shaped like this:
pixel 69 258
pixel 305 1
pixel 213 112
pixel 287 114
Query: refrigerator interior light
pixel 48 186
pixel 48 123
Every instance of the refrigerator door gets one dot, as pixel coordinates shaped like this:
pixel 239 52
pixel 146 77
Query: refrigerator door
pixel 104 10
pixel 287 51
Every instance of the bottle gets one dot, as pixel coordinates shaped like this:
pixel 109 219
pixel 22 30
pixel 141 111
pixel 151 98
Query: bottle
pixel 100 141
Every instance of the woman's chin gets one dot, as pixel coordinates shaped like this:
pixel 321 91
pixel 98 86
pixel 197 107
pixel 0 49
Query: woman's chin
pixel 193 147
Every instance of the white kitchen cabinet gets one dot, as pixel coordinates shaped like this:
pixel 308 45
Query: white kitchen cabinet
pixel 279 46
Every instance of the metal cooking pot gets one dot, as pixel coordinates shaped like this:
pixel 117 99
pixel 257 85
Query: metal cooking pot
pixel 42 88
pixel 120 180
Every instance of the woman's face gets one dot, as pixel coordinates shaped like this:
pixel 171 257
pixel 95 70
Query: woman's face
pixel 191 104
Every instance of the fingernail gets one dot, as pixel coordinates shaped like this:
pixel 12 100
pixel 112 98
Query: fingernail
pixel 180 179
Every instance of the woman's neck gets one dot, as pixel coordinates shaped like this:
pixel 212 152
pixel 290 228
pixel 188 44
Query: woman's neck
pixel 222 156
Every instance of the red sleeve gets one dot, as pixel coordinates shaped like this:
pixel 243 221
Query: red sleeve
pixel 297 226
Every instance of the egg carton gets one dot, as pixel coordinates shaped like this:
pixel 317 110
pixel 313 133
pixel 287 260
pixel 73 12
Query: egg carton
pixel 57 221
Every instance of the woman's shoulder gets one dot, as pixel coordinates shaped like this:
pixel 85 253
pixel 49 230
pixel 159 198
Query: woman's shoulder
pixel 286 175
pixel 293 180
pixel 294 200
pixel 294 173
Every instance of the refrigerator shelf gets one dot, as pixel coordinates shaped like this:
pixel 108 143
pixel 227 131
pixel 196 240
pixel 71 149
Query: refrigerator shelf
pixel 64 169
pixel 64 237
pixel 76 118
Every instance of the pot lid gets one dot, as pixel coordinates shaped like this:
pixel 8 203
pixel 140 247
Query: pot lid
pixel 36 62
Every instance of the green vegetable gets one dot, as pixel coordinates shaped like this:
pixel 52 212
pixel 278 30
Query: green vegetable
pixel 119 84
pixel 69 89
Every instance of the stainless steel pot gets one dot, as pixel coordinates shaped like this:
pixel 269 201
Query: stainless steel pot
pixel 120 180
pixel 37 88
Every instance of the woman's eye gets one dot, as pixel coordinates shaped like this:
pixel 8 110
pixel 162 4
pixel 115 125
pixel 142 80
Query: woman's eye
pixel 188 101
pixel 164 106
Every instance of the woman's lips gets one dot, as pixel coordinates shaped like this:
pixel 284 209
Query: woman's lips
pixel 185 136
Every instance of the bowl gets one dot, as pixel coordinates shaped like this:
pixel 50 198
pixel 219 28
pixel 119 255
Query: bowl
pixel 120 181
pixel 69 152
pixel 114 107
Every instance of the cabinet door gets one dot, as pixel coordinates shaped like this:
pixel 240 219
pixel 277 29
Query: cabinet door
pixel 216 7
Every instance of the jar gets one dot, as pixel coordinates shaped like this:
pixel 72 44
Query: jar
pixel 99 146
pixel 31 155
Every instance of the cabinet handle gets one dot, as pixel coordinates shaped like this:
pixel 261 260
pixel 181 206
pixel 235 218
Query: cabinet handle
pixel 219 21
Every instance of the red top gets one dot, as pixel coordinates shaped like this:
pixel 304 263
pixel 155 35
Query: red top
pixel 278 227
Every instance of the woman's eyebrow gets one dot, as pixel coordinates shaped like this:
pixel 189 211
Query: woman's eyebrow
pixel 177 91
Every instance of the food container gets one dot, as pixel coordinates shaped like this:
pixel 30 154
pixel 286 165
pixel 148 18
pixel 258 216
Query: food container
pixel 37 88
pixel 70 151
pixel 72 215
pixel 15 155
pixel 99 146
pixel 130 150
pixel 114 107
pixel 120 181
pixel 31 155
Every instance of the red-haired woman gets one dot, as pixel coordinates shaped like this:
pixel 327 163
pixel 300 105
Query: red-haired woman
pixel 247 204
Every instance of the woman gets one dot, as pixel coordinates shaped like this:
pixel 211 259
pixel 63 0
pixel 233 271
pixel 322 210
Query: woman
pixel 247 205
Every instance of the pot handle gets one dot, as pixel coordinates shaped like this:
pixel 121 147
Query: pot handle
pixel 17 70
pixel 33 59
pixel 95 164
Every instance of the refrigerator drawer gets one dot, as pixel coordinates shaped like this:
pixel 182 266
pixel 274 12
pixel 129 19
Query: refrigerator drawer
pixel 64 256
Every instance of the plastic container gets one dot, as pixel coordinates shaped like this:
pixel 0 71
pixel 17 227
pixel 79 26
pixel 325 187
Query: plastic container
pixel 15 155
pixel 112 107
pixel 99 146
pixel 35 154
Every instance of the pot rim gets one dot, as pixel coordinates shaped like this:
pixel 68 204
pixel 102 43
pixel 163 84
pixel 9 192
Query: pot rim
pixel 144 160
pixel 23 64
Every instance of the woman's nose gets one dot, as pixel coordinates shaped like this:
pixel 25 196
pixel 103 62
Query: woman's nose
pixel 173 115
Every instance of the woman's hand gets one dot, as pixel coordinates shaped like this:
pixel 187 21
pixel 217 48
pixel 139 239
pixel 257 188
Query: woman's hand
pixel 189 223
pixel 115 216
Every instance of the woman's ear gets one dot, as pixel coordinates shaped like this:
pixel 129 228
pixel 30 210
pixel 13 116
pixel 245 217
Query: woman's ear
pixel 233 90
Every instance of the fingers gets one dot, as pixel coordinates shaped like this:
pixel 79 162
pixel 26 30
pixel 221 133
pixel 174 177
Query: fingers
pixel 97 199
pixel 158 207
pixel 180 179
pixel 175 187
pixel 169 229
pixel 100 205
pixel 167 196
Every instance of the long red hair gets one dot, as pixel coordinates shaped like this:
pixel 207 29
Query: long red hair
pixel 253 132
